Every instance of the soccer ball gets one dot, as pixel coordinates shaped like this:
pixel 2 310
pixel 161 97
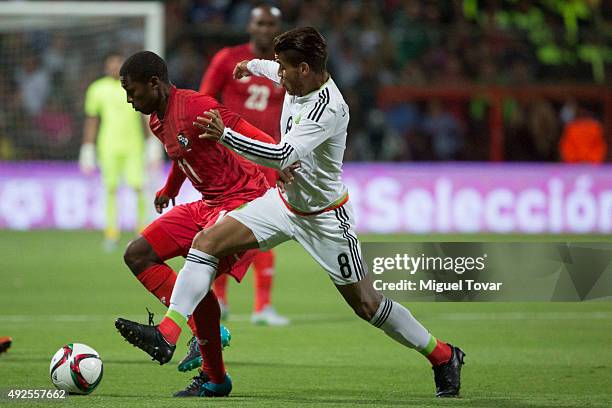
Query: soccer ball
pixel 76 368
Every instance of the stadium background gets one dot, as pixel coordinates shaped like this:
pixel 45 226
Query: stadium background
pixel 443 95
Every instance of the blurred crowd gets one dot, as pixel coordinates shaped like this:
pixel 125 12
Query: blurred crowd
pixel 43 78
pixel 372 45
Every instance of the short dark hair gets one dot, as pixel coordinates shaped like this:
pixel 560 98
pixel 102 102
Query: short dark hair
pixel 303 44
pixel 144 65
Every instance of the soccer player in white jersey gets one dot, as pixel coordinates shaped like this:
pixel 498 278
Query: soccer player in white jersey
pixel 313 210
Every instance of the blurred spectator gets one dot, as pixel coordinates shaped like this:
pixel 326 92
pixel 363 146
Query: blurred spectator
pixel 56 128
pixel 409 32
pixel 583 139
pixel 207 12
pixel 518 145
pixel 185 66
pixel 34 84
pixel 445 132
pixel 543 129
pixel 175 12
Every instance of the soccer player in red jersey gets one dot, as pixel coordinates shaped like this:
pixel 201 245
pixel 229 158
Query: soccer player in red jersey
pixel 260 102
pixel 225 181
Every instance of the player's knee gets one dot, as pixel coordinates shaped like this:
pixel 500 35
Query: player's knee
pixel 130 256
pixel 204 241
pixel 137 256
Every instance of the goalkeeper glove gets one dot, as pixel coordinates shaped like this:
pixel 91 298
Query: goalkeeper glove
pixel 87 158
pixel 153 151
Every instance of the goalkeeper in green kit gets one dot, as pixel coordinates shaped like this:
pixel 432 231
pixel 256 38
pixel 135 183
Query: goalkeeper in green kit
pixel 114 137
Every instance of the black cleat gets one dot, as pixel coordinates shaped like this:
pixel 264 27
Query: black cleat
pixel 147 338
pixel 201 386
pixel 195 388
pixel 448 375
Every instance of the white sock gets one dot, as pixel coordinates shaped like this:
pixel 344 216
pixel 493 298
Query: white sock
pixel 399 324
pixel 193 281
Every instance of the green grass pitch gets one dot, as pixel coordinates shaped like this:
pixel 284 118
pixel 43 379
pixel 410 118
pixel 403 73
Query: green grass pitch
pixel 59 287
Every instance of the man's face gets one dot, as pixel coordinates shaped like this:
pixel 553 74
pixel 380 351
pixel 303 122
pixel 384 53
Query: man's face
pixel 142 96
pixel 289 75
pixel 264 26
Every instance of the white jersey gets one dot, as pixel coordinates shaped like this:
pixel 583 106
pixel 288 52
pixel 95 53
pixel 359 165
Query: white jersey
pixel 313 132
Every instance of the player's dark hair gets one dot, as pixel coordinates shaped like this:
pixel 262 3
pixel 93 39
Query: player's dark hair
pixel 144 65
pixel 303 44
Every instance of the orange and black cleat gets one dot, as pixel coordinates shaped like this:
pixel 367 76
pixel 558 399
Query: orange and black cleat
pixel 5 343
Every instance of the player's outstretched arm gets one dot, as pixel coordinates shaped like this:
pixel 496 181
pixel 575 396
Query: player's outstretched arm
pixel 276 156
pixel 257 67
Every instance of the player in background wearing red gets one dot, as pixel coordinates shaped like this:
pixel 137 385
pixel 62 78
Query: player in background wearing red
pixel 225 182
pixel 260 102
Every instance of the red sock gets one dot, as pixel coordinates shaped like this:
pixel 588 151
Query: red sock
pixel 170 330
pixel 440 354
pixel 192 325
pixel 207 316
pixel 220 287
pixel 264 275
pixel 159 280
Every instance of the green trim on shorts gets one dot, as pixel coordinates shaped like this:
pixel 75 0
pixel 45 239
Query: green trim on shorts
pixel 240 207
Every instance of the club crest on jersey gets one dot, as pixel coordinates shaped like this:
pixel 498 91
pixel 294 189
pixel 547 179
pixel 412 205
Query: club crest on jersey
pixel 183 141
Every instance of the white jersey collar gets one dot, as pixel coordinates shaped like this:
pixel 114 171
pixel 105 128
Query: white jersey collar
pixel 314 95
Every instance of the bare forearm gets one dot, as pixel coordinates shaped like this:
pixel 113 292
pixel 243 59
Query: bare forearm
pixel 90 130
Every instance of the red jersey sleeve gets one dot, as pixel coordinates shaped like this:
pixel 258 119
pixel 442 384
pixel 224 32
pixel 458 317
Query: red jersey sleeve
pixel 174 182
pixel 245 128
pixel 217 73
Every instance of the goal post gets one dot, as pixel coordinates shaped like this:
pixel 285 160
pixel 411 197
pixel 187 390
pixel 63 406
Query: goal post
pixel 153 12
pixel 50 51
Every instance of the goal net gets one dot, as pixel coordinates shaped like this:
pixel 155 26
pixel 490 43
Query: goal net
pixel 49 53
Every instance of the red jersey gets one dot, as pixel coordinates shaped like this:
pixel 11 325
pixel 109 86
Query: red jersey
pixel 256 99
pixel 214 170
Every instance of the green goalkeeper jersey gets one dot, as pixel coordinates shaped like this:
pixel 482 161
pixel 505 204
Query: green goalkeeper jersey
pixel 120 129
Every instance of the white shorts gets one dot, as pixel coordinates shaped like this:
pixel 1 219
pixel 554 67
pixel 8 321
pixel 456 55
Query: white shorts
pixel 328 237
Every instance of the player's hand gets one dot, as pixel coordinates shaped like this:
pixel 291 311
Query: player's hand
pixel 211 124
pixel 286 176
pixel 87 158
pixel 241 70
pixel 162 201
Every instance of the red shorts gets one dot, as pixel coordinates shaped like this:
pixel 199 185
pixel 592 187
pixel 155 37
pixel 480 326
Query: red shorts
pixel 271 175
pixel 172 234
